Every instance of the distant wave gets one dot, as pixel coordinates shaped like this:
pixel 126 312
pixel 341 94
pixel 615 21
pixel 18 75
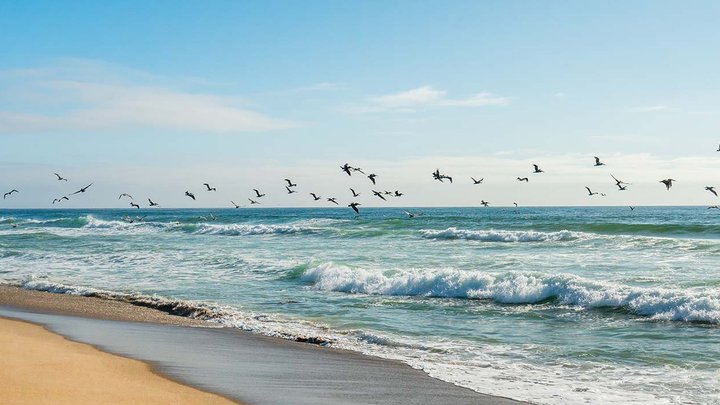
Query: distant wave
pixel 500 235
pixel 522 288
pixel 251 229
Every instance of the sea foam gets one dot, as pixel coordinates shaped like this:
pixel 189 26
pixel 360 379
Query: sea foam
pixel 500 235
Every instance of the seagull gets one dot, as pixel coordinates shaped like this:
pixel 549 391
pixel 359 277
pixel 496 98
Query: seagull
pixel 667 183
pixel 477 181
pixel 354 206
pixel 253 201
pixel 354 193
pixel 82 190
pixel 332 200
pixel 315 196
pixel 379 194
pixel 257 193
pixel 60 199
pixel 598 162
pixel 525 179
pixel 372 177
pixel 484 203
pixel 290 183
pixel 537 169
pixel 290 191
pixel 132 204
pixel 189 194
pixel 60 178
pixel 10 193
pixel 398 194
pixel 590 193
pixel 153 204
pixel 209 188
pixel 125 195
pixel 711 189
pixel 233 203
pixel 346 168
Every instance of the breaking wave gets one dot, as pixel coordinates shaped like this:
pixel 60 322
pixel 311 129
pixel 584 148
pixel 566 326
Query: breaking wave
pixel 500 235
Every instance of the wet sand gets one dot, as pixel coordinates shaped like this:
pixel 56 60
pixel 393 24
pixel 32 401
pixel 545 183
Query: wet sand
pixel 240 365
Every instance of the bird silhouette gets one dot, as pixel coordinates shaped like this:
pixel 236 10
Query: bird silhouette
pixel 484 203
pixel 354 193
pixel 257 193
pixel 290 183
pixel 315 196
pixel 253 202
pixel 189 194
pixel 379 194
pixel 233 203
pixel 372 177
pixel 153 204
pixel 209 188
pixel 477 181
pixel 9 193
pixel 125 195
pixel 590 193
pixel 398 194
pixel 668 183
pixel 332 200
pixel 711 189
pixel 82 190
pixel 289 190
pixel 60 178
pixel 537 169
pixel 347 169
pixel 132 204
pixel 598 162
pixel 60 199
pixel 354 206
pixel 525 179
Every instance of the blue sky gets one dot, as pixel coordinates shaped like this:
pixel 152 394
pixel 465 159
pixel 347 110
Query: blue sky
pixel 161 97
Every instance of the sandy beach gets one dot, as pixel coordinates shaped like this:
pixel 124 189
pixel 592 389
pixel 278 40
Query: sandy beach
pixel 58 355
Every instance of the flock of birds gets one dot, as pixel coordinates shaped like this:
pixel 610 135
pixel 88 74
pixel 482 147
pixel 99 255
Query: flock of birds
pixel 291 188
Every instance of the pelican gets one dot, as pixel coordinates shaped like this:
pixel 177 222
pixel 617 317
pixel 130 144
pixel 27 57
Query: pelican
pixel 209 188
pixel 484 203
pixel 346 168
pixel 598 162
pixel 189 194
pixel 315 196
pixel 537 169
pixel 477 181
pixel 398 194
pixel 10 193
pixel 257 193
pixel 379 194
pixel 515 204
pixel 289 190
pixel 632 208
pixel 332 200
pixel 153 204
pixel 668 183
pixel 711 189
pixel 354 206
pixel 60 178
pixel 290 183
pixel 354 193
pixel 125 195
pixel 233 203
pixel 132 204
pixel 252 202
pixel 82 190
pixel 357 169
pixel 372 176
pixel 590 193
pixel 525 179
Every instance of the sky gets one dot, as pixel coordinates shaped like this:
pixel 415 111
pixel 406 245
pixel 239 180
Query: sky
pixel 156 98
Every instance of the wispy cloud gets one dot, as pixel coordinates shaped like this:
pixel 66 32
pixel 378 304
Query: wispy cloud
pixel 69 99
pixel 424 97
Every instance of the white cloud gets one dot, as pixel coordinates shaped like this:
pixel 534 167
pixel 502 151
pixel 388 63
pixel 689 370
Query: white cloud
pixel 424 97
pixel 113 100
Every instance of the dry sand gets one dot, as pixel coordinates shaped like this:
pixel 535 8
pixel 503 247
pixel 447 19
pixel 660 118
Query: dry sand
pixel 41 367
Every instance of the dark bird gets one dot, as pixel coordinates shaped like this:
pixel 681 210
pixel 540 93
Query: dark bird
pixel 315 196
pixel 410 214
pixel 257 193
pixel 153 204
pixel 60 199
pixel 125 195
pixel 668 183
pixel 477 181
pixel 290 191
pixel 189 194
pixel 632 208
pixel 537 169
pixel 714 206
pixel 398 194
pixel 346 168
pixel 290 183
pixel 82 190
pixel 621 187
pixel 618 182
pixel 718 149
pixel 711 189
pixel 387 192
pixel 332 200
pixel 437 176
pixel 515 204
pixel 354 193
pixel 209 188
pixel 598 162
pixel 354 206
pixel 357 169
pixel 590 193
pixel 379 194
pixel 10 193
pixel 60 178
pixel 525 179
pixel 233 203
pixel 484 203
pixel 252 202
pixel 132 204
pixel 372 177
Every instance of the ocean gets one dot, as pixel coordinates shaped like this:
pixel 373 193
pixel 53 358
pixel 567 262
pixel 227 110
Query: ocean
pixel 550 305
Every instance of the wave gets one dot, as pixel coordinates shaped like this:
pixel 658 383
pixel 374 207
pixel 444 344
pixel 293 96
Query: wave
pixel 522 288
pixel 252 229
pixel 500 235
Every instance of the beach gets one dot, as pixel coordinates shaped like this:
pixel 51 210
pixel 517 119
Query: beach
pixel 69 348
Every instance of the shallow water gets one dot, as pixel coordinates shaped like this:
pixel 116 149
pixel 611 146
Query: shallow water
pixel 543 304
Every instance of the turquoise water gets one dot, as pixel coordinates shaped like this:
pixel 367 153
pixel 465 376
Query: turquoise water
pixel 552 305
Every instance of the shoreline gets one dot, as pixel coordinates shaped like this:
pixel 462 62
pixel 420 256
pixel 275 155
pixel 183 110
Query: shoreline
pixel 241 365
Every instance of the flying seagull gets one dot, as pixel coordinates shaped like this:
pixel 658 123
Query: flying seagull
pixel 125 195
pixel 132 204
pixel 315 196
pixel 60 178
pixel 590 193
pixel 10 193
pixel 189 194
pixel 60 199
pixel 668 183
pixel 711 189
pixel 598 162
pixel 477 181
pixel 525 179
pixel 379 194
pixel 332 200
pixel 153 204
pixel 290 191
pixel 82 190
pixel 537 169
pixel 372 176
pixel 354 206
pixel 290 183
pixel 209 188
pixel 257 193
pixel 233 203
pixel 354 193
